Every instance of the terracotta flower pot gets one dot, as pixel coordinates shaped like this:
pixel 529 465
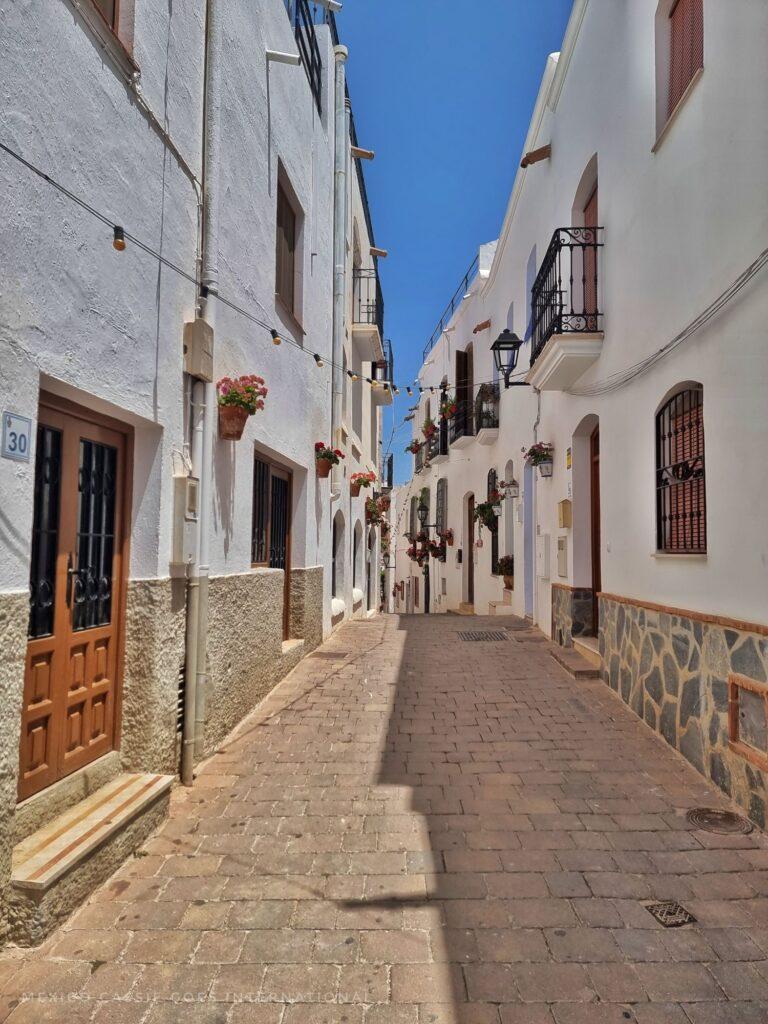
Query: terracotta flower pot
pixel 232 420
pixel 449 542
pixel 354 489
pixel 324 467
pixel 509 582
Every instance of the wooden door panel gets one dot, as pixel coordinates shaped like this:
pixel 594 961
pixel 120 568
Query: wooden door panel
pixel 76 586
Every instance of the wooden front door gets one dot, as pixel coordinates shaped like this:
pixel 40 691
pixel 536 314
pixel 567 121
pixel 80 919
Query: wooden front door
pixel 271 545
pixel 70 709
pixel 470 552
pixel 594 452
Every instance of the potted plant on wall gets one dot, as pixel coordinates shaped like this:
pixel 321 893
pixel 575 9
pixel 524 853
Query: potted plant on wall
pixel 414 447
pixel 238 398
pixel 326 458
pixel 447 536
pixel 486 512
pixel 429 428
pixel 448 407
pixel 540 454
pixel 359 480
pixel 506 568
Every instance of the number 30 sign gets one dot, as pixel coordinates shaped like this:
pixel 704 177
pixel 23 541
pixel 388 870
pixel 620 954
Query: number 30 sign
pixel 17 437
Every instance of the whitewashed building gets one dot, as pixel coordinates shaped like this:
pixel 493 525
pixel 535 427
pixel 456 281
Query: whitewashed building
pixel 176 187
pixel 631 263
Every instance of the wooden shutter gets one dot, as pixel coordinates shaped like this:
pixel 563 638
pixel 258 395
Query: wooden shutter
pixel 285 268
pixel 686 54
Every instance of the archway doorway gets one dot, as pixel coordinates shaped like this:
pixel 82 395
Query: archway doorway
pixel 468 555
pixel 529 537
pixel 586 576
pixel 594 477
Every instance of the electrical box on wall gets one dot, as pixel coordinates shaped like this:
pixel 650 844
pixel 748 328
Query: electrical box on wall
pixel 542 557
pixel 562 556
pixel 198 349
pixel 185 519
pixel 564 514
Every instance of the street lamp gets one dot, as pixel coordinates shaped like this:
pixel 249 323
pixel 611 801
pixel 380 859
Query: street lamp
pixel 423 513
pixel 506 350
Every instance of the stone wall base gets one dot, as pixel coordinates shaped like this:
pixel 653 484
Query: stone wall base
pixel 672 670
pixel 572 613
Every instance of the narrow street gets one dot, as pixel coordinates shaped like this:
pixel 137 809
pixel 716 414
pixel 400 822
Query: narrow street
pixel 416 829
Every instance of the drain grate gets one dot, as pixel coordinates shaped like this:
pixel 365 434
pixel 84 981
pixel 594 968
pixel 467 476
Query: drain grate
pixel 723 823
pixel 486 635
pixel 670 914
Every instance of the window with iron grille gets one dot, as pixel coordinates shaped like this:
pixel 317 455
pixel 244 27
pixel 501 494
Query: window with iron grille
pixel 413 522
pixel 686 55
pixel 441 505
pixel 493 486
pixel 681 511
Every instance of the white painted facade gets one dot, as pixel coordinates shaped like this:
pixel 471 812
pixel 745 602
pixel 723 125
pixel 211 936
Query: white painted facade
pixel 684 214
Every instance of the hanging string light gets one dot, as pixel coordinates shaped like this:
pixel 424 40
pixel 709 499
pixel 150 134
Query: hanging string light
pixel 276 339
pixel 118 238
pixel 319 360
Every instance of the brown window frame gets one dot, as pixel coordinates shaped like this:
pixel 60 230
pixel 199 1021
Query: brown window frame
pixel 681 483
pixel 686 48
pixel 274 469
pixel 285 249
pixel 737 682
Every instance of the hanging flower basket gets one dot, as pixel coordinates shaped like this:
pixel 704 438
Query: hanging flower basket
pixel 447 536
pixel 414 447
pixel 448 407
pixel 545 469
pixel 429 429
pixel 232 420
pixel 326 458
pixel 360 480
pixel 486 512
pixel 238 398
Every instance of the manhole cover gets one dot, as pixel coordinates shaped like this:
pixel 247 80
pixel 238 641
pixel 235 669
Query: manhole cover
pixel 670 914
pixel 488 635
pixel 724 823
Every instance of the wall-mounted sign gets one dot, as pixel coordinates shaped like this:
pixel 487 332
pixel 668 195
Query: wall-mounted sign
pixel 568 459
pixel 17 437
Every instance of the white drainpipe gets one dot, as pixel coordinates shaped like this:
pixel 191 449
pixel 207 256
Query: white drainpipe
pixel 339 249
pixel 203 412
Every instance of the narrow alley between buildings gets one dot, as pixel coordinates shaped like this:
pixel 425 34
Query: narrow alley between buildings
pixel 418 827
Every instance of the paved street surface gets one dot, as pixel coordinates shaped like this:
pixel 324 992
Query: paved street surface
pixel 417 829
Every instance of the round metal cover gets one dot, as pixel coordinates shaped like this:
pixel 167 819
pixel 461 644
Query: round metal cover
pixel 724 823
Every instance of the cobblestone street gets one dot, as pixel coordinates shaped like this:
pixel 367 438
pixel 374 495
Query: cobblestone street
pixel 414 829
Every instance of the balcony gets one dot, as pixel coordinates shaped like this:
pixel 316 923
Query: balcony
pixel 418 460
pixel 487 413
pixel 462 429
pixel 567 324
pixel 383 371
pixel 437 446
pixel 387 475
pixel 367 304
pixel 303 20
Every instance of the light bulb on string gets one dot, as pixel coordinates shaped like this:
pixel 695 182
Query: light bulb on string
pixel 118 238
pixel 276 339
pixel 318 360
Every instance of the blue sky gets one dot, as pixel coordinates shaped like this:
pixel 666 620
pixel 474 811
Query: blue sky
pixel 443 91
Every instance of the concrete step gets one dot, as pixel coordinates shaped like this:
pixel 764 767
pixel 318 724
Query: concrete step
pixel 500 608
pixel 574 664
pixel 466 609
pixel 589 648
pixel 57 867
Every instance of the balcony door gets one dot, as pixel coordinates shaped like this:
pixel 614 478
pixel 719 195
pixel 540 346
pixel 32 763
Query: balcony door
pixel 590 259
pixel 70 711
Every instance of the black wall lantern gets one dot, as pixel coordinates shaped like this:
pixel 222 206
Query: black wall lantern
pixel 423 513
pixel 506 350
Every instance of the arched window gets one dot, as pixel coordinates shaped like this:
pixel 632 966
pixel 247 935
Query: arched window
pixel 681 512
pixel 413 522
pixel 493 486
pixel 441 505
pixel 356 555
pixel 337 559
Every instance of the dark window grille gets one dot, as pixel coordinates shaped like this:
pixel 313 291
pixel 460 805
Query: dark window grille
pixel 259 550
pixel 306 39
pixel 389 471
pixel 95 543
pixel 441 505
pixel 45 532
pixel 487 407
pixel 334 556
pixel 681 512
pixel 463 421
pixel 279 523
pixel 565 296
pixel 368 301
pixel 355 556
pixel 493 485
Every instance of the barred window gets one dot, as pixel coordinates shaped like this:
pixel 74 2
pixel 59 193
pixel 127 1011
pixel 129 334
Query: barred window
pixel 441 506
pixel 493 486
pixel 681 511
pixel 413 522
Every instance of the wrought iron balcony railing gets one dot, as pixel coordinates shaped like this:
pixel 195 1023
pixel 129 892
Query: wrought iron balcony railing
pixel 418 460
pixel 453 305
pixel 462 421
pixel 565 298
pixel 487 407
pixel 438 443
pixel 368 301
pixel 304 19
pixel 387 477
